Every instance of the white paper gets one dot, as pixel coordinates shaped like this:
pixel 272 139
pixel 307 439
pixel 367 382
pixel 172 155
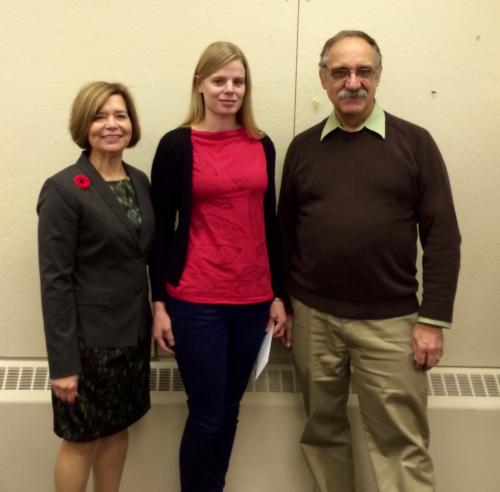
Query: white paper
pixel 265 350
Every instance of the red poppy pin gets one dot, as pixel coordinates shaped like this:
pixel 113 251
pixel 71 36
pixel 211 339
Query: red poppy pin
pixel 82 181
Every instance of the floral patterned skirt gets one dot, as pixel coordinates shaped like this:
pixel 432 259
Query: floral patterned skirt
pixel 113 393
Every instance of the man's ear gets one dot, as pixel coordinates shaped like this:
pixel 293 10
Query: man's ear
pixel 323 74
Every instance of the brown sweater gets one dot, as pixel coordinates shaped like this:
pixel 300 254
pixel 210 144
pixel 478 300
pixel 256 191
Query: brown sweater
pixel 350 211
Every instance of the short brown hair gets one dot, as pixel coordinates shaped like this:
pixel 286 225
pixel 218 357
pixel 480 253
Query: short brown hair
pixel 87 104
pixel 350 34
pixel 215 56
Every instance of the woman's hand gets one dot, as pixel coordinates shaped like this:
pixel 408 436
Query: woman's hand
pixel 66 389
pixel 286 339
pixel 162 327
pixel 277 318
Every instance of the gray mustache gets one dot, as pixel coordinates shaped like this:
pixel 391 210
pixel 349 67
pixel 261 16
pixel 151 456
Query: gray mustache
pixel 345 93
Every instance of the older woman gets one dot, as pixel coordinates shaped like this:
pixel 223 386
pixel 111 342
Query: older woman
pixel 215 274
pixel 96 225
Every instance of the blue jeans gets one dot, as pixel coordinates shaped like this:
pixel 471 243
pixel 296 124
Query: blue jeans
pixel 215 347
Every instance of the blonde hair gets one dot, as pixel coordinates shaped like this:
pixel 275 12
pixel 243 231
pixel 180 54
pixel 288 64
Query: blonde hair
pixel 215 56
pixel 87 104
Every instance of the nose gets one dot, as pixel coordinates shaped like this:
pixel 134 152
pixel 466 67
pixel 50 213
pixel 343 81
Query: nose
pixel 229 86
pixel 353 81
pixel 111 122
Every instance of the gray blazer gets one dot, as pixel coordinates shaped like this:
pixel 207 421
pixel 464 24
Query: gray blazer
pixel 92 265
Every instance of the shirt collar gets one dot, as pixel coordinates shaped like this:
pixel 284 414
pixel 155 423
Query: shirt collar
pixel 375 122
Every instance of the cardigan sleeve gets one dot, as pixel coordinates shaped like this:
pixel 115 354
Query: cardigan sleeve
pixel 287 212
pixel 171 195
pixel 57 243
pixel 272 236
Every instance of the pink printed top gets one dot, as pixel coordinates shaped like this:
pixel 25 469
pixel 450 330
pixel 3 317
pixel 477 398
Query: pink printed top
pixel 227 260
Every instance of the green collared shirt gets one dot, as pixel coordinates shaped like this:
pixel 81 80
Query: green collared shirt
pixel 375 123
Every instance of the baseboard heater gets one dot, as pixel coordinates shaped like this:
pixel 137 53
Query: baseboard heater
pixel 464 411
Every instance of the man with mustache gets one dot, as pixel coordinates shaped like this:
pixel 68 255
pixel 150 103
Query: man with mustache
pixel 358 190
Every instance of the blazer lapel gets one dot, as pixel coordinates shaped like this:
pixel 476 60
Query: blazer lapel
pixel 106 194
pixel 142 193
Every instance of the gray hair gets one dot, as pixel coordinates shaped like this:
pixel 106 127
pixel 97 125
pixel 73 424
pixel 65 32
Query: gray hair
pixel 350 34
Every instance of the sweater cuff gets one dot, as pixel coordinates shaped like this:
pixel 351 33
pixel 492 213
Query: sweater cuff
pixel 429 321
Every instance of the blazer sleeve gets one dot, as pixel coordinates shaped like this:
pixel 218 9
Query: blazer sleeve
pixel 58 223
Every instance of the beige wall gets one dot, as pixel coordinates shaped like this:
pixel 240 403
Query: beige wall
pixel 441 71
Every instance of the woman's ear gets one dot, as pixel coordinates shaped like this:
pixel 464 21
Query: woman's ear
pixel 199 80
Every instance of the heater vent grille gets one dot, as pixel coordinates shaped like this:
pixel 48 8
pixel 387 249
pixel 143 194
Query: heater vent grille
pixel 164 376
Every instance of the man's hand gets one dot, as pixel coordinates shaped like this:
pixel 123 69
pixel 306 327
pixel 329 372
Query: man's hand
pixel 427 342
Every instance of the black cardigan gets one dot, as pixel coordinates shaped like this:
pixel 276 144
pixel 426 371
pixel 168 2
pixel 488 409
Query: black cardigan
pixel 172 193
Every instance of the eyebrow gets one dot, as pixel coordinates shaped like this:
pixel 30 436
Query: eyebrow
pixel 114 111
pixel 239 77
pixel 348 68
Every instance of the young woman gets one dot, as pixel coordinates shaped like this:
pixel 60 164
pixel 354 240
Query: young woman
pixel 214 270
pixel 96 224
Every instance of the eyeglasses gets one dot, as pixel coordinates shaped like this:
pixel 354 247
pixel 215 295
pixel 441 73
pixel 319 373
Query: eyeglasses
pixel 363 73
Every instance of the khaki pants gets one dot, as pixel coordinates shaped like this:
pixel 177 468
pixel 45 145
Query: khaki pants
pixel 392 397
